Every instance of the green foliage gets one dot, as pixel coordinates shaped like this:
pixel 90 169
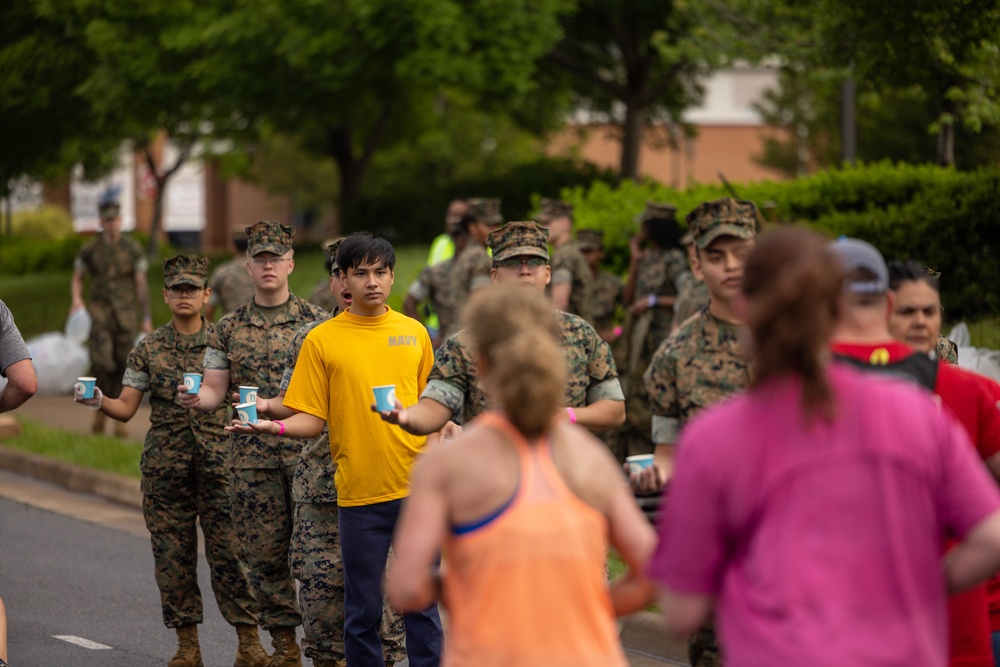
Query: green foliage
pixel 20 254
pixel 92 451
pixel 941 217
pixel 48 222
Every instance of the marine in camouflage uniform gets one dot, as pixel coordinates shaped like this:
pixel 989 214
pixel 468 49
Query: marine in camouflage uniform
pixel 569 266
pixel 118 300
pixel 251 344
pixel 700 364
pixel 693 293
pixel 433 285
pixel 607 288
pixel 231 283
pixel 946 350
pixel 322 295
pixel 470 269
pixel 591 372
pixel 314 553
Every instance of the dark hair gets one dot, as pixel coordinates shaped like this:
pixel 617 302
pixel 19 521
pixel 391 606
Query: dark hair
pixel 793 284
pixel 241 242
pixel 907 271
pixel 328 263
pixel 465 221
pixel 365 248
pixel 664 232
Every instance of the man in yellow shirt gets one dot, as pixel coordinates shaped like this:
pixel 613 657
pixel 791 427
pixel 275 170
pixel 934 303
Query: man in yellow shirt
pixel 340 363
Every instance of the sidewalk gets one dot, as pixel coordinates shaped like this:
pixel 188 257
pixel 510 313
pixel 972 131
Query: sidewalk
pixel 646 643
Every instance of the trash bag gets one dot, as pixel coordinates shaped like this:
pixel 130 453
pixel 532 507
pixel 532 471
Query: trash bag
pixel 981 360
pixel 58 362
pixel 78 326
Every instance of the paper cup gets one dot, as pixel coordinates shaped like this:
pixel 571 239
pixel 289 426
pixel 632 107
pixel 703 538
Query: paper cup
pixel 385 397
pixel 247 412
pixel 248 394
pixel 192 382
pixel 638 463
pixel 85 386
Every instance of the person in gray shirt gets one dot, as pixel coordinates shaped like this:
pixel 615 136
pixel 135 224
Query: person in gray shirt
pixel 15 364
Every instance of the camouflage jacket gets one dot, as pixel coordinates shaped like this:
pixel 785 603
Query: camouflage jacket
pixel 693 297
pixel 470 270
pixel 157 364
pixel 231 285
pixel 607 294
pixel 569 266
pixel 700 364
pixel 322 296
pixel 255 352
pixel 660 272
pixel 112 268
pixel 592 374
pixel 946 350
pixel 433 284
pixel 313 479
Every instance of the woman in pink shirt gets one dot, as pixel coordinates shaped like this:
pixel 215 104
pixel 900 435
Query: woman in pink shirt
pixel 811 511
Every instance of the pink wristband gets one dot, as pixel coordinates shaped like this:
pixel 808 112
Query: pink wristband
pixel 282 425
pixel 572 415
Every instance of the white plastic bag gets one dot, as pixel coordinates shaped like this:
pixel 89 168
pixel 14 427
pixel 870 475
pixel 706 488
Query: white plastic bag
pixel 58 362
pixel 78 326
pixel 978 359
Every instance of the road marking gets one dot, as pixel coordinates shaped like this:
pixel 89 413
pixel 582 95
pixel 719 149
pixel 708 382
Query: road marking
pixel 80 641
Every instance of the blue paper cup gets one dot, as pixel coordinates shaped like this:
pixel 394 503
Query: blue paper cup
pixel 247 412
pixel 192 382
pixel 385 397
pixel 248 394
pixel 638 463
pixel 85 386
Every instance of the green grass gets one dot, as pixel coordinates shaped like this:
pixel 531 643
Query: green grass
pixel 985 333
pixel 120 457
pixel 40 301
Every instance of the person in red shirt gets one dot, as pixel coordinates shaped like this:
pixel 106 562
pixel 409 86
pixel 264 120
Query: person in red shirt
pixel 864 338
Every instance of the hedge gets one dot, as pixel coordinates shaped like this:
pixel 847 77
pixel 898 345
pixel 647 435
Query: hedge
pixel 941 217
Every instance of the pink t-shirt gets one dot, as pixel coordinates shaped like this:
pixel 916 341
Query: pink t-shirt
pixel 822 542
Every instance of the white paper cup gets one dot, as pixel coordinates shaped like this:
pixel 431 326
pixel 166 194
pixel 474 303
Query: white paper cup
pixel 385 397
pixel 638 463
pixel 248 394
pixel 247 412
pixel 192 382
pixel 85 386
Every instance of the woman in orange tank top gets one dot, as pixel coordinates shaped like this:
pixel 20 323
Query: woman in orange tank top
pixel 524 506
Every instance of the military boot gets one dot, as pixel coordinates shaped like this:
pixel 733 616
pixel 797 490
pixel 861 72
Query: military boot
pixel 250 653
pixel 188 651
pixel 286 650
pixel 97 426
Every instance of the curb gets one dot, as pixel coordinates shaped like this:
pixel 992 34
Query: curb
pixel 115 488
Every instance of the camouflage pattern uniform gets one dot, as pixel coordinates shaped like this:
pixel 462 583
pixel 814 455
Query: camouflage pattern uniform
pixel 113 305
pixel 322 296
pixel 607 294
pixel 570 266
pixel 470 269
pixel 231 285
pixel 591 371
pixel 433 285
pixel 692 298
pixel 185 474
pixel 254 350
pixel 946 350
pixel 699 365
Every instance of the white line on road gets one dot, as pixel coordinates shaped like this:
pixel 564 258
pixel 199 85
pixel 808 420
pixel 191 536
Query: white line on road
pixel 80 641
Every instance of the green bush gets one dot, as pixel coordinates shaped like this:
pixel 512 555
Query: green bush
pixel 20 255
pixel 51 223
pixel 943 218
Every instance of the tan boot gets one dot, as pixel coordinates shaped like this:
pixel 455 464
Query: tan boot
pixel 188 651
pixel 250 653
pixel 286 650
pixel 97 426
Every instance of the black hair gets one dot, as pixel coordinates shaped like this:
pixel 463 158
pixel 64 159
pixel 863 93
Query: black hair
pixel 242 243
pixel 906 271
pixel 329 264
pixel 465 221
pixel 365 248
pixel 664 232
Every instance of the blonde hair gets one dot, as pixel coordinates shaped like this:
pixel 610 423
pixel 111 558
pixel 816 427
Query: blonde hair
pixel 515 330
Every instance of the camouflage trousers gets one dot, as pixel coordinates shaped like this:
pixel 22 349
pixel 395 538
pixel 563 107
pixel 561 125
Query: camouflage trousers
pixel 110 345
pixel 262 512
pixel 316 562
pixel 171 504
pixel 703 646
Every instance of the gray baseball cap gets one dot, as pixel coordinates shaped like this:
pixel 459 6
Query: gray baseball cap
pixel 857 254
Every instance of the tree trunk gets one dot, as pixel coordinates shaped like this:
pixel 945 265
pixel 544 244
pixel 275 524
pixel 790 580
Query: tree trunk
pixel 162 178
pixel 946 140
pixel 631 140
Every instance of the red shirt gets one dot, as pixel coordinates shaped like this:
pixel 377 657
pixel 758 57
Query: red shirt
pixel 975 401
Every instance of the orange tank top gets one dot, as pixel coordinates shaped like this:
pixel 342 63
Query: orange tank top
pixel 528 588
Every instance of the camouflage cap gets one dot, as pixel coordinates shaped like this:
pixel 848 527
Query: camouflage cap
pixel 722 217
pixel 656 210
pixel 185 270
pixel 331 248
pixel 486 210
pixel 687 239
pixel 517 239
pixel 590 239
pixel 108 206
pixel 553 209
pixel 269 236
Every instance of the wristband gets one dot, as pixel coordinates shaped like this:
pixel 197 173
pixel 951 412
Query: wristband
pixel 281 424
pixel 572 415
pixel 617 331
pixel 651 300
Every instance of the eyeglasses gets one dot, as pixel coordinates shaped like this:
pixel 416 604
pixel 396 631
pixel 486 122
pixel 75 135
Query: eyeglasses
pixel 517 262
pixel 273 261
pixel 183 291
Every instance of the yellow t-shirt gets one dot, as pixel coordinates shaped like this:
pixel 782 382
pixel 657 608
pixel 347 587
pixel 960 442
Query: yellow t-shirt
pixel 341 360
